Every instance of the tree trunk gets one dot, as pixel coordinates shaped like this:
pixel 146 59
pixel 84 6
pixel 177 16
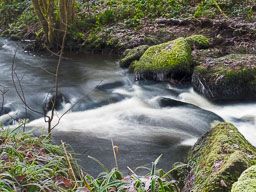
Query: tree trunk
pixel 40 15
pixel 66 9
pixel 53 29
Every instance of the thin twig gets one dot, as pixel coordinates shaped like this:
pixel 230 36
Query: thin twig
pixel 22 97
pixel 57 78
pixel 73 105
pixel 47 71
pixel 3 92
pixel 56 54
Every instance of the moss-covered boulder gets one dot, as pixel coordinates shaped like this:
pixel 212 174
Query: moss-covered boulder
pixel 168 60
pixel 232 77
pixel 131 55
pixel 218 159
pixel 198 41
pixel 246 182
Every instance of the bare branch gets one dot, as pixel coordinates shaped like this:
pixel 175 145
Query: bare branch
pixel 47 71
pixel 22 97
pixel 57 77
pixel 56 54
pixel 73 105
pixel 3 92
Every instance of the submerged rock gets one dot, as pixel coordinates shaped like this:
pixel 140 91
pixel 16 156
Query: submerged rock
pixel 4 110
pixel 131 55
pixel 246 182
pixel 167 102
pixel 48 104
pixel 168 60
pixel 109 86
pixel 218 159
pixel 232 77
pixel 208 116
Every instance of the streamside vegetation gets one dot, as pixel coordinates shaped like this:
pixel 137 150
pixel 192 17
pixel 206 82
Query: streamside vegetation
pixel 112 24
pixel 54 20
pixel 29 163
pixel 221 160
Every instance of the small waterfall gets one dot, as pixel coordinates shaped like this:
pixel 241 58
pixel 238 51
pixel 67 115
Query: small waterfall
pixel 157 76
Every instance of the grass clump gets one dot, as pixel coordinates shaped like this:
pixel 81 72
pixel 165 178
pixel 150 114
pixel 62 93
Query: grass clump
pixel 32 164
pixel 29 163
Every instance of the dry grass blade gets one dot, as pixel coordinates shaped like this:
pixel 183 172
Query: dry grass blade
pixel 71 171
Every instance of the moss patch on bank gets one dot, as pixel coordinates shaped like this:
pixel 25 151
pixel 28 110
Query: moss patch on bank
pixel 232 77
pixel 198 41
pixel 218 159
pixel 130 55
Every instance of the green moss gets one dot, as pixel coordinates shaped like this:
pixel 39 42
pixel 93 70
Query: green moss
pixel 218 159
pixel 173 56
pixel 240 76
pixel 15 37
pixel 112 41
pixel 132 55
pixel 131 67
pixel 200 69
pixel 199 41
pixel 232 77
pixel 246 182
pixel 94 41
pixel 179 173
pixel 226 67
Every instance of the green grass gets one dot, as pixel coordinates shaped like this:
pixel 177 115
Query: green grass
pixel 30 163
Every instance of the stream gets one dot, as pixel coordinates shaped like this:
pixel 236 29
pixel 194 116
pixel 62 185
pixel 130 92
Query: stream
pixel 144 118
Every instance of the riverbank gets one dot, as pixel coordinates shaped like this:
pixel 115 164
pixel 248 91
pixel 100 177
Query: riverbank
pixel 29 163
pixel 113 28
pixel 213 164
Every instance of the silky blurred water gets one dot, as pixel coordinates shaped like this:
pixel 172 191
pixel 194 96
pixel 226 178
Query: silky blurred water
pixel 107 103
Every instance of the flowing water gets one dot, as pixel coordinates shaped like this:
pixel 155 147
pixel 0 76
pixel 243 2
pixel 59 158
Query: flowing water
pixel 144 118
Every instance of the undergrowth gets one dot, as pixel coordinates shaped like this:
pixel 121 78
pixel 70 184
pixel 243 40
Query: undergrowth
pixel 94 15
pixel 29 163
pixel 133 12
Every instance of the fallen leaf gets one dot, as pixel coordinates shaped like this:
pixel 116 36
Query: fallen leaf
pixel 62 180
pixel 21 178
pixel 67 183
pixel 202 164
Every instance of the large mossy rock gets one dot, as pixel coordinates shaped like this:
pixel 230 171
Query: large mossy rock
pixel 246 182
pixel 218 159
pixel 131 55
pixel 232 77
pixel 168 60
